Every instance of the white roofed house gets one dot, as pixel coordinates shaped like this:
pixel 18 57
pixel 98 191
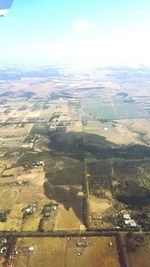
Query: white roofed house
pixel 126 216
pixel 128 221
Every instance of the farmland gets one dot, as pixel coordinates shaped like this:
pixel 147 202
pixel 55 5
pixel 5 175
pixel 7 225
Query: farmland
pixel 96 108
pixel 66 252
pixel 137 249
pixel 74 158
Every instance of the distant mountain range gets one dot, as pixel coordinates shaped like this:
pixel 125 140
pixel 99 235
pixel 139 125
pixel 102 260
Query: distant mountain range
pixel 11 73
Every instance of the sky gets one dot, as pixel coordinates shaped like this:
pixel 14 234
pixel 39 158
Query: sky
pixel 5 3
pixel 98 32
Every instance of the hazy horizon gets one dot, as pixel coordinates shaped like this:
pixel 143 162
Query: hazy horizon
pixel 81 33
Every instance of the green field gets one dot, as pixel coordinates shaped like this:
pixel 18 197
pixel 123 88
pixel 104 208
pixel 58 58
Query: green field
pixel 111 109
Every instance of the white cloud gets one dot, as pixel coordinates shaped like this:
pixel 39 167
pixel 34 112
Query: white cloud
pixel 3 12
pixel 82 26
pixel 126 47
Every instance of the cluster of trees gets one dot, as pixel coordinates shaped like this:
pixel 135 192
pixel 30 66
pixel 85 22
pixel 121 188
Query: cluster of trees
pixel 133 241
pixel 132 193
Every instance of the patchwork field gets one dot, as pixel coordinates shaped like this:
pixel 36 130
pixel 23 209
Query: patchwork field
pixel 22 191
pixel 61 252
pixel 110 110
pixel 114 131
pixel 75 158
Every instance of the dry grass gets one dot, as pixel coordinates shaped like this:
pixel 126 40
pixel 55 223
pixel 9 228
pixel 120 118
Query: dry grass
pixel 61 252
pixel 15 198
pixel 67 220
pixel 120 134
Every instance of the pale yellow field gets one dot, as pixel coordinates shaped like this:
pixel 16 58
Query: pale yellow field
pixel 139 127
pixel 120 134
pixel 62 252
pixel 67 220
pixel 16 198
pixel 74 127
pixel 98 205
pixel 99 208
